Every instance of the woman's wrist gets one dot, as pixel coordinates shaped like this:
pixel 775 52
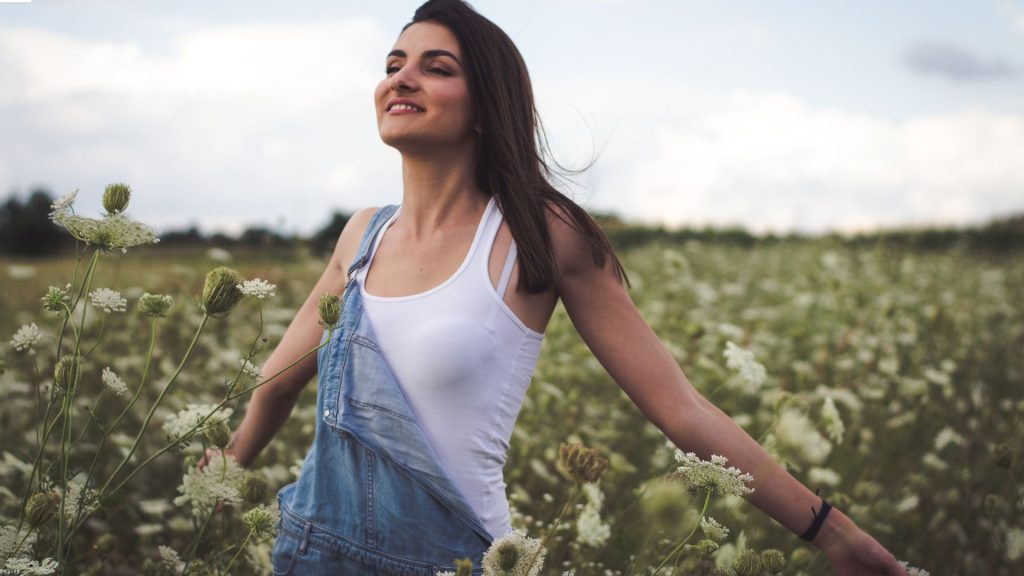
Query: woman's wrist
pixel 836 530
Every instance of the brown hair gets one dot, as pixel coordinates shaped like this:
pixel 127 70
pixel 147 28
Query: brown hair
pixel 510 164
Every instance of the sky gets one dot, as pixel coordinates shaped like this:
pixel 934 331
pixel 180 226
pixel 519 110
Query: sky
pixel 782 116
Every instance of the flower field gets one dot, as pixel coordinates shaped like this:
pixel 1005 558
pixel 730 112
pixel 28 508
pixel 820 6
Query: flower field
pixel 893 381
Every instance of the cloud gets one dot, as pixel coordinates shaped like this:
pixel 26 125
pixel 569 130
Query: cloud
pixel 954 62
pixel 1014 14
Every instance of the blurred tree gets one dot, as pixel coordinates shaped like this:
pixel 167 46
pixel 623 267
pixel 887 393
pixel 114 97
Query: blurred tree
pixel 26 229
pixel 324 239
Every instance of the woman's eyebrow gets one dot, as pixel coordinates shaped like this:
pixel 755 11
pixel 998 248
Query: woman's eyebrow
pixel 426 54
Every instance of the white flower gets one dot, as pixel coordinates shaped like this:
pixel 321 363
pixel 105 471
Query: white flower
pixel 108 300
pixel 76 498
pixel 795 432
pixel 186 419
pixel 713 475
pixel 750 371
pixel 1015 544
pixel 219 481
pixel 113 231
pixel 114 382
pixel 256 287
pixel 511 554
pixel 832 420
pixel 713 530
pixel 63 203
pixel 169 559
pixel 26 337
pixel 589 528
pixel 823 477
pixel 10 537
pixel 251 369
pixel 29 567
pixel 911 571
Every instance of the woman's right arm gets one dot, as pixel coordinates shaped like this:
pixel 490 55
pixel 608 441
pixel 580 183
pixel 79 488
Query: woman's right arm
pixel 272 403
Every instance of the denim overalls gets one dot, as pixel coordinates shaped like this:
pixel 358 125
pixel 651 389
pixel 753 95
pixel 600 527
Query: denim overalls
pixel 372 497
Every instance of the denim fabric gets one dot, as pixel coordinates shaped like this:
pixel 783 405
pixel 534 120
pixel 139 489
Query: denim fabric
pixel 372 497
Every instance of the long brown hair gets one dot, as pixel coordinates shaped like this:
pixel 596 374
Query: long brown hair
pixel 510 164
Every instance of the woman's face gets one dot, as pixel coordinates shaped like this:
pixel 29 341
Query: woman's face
pixel 424 70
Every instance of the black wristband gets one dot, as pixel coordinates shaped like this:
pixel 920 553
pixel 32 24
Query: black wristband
pixel 819 519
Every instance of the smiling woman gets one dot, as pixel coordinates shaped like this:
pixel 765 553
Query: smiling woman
pixel 446 300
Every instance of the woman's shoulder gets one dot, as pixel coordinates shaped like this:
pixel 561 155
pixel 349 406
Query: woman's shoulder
pixel 351 235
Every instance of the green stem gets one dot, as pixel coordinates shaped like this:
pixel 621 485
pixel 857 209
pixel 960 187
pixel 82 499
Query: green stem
pixel 678 548
pixel 240 548
pixel 572 498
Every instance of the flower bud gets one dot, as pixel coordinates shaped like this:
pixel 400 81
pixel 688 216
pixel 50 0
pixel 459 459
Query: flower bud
pixel 463 567
pixel 218 434
pixel 773 561
pixel 220 293
pixel 259 520
pixel 41 508
pixel 115 198
pixel 254 488
pixel 57 300
pixel 330 310
pixel 748 564
pixel 578 463
pixel 155 305
pixel 64 371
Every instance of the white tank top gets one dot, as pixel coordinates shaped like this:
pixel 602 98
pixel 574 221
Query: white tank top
pixel 464 361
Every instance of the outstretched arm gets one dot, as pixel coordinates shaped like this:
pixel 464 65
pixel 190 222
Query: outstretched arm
pixel 608 321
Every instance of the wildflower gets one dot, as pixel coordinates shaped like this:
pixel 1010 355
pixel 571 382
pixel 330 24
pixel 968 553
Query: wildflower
pixel 108 300
pixel 251 369
pixel 832 421
pixel 750 370
pixel 795 432
pixel 57 300
pixel 220 292
pixel 772 561
pixel 113 231
pixel 11 537
pixel 115 198
pixel 823 476
pixel 330 309
pixel 218 482
pixel 186 419
pixel 155 305
pixel 713 475
pixel 218 434
pixel 169 559
pixel 260 520
pixel 589 528
pixel 64 372
pixel 254 488
pixel 911 571
pixel 26 338
pixel 713 530
pixel 79 501
pixel 581 464
pixel 63 204
pixel 41 508
pixel 748 563
pixel 1015 544
pixel 29 567
pixel 705 546
pixel 511 554
pixel 256 287
pixel 114 382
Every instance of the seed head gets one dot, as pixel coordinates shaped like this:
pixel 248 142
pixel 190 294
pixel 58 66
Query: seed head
pixel 259 520
pixel 64 371
pixel 581 464
pixel 749 563
pixel 220 293
pixel 41 508
pixel 218 434
pixel 773 561
pixel 115 197
pixel 254 488
pixel 155 305
pixel 330 310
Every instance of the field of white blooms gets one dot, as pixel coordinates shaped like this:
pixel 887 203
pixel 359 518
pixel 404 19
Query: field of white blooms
pixel 893 381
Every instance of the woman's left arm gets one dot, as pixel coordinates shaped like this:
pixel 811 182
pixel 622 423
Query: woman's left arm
pixel 605 316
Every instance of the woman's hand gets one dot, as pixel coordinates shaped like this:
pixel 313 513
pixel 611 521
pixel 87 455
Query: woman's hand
pixel 859 554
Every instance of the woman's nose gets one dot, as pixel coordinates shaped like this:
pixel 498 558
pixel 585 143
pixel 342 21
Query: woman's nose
pixel 400 81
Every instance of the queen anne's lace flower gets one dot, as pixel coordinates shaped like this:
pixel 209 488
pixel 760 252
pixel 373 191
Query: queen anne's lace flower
pixel 713 475
pixel 169 559
pixel 114 382
pixel 795 432
pixel 750 370
pixel 10 537
pixel 589 528
pixel 219 481
pixel 63 204
pixel 112 231
pixel 28 567
pixel 108 300
pixel 713 530
pixel 26 337
pixel 832 420
pixel 911 571
pixel 511 554
pixel 256 287
pixel 186 419
pixel 251 369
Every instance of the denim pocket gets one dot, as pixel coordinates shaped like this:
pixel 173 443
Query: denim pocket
pixel 282 555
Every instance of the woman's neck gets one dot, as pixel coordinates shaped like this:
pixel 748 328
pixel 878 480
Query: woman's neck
pixel 438 194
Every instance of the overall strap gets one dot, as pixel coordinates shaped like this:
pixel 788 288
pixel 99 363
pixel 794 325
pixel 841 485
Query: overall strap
pixel 378 220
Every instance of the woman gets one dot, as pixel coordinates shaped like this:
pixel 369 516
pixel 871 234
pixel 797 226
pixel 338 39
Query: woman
pixel 446 299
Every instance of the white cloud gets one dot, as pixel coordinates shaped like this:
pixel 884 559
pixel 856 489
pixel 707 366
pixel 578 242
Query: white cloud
pixel 1014 14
